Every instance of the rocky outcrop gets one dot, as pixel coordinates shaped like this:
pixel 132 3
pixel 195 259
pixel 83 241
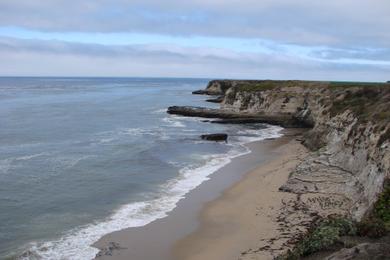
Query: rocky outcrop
pixel 219 87
pixel 362 251
pixel 200 92
pixel 203 112
pixel 215 137
pixel 349 136
pixel 232 117
pixel 218 99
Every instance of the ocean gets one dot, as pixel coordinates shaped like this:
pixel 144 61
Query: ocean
pixel 83 157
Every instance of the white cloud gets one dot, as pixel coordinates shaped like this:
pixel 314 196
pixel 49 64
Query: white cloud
pixel 55 58
pixel 332 22
pixel 334 39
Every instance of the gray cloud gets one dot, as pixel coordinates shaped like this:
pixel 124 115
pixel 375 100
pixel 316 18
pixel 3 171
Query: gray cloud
pixel 358 23
pixel 381 54
pixel 56 58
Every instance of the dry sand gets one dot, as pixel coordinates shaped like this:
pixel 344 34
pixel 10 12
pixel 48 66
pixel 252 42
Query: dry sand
pixel 245 223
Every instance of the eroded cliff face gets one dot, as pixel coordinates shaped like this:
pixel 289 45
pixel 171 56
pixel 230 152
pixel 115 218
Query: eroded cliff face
pixel 349 138
pixel 219 87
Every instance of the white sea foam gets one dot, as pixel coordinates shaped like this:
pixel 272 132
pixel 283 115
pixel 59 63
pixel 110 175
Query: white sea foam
pixel 29 157
pixel 6 164
pixel 160 111
pixel 66 162
pixel 252 135
pixel 106 140
pixel 189 118
pixel 108 137
pixel 76 244
pixel 173 121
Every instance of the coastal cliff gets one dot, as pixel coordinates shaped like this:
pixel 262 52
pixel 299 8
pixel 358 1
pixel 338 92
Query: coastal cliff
pixel 340 186
pixel 349 132
pixel 349 136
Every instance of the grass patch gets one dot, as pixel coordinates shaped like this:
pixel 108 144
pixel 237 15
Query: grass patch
pixel 363 102
pixel 258 85
pixel 383 115
pixel 382 206
pixel 351 84
pixel 262 85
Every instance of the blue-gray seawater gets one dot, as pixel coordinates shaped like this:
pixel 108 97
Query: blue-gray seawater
pixel 83 157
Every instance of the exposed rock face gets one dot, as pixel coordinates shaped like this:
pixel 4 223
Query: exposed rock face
pixel 349 136
pixel 219 87
pixel 362 251
pixel 215 137
pixel 284 100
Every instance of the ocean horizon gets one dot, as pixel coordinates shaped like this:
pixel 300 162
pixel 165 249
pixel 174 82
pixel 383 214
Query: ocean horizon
pixel 82 157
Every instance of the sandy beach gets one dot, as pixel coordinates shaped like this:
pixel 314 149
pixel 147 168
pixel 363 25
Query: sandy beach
pixel 227 217
pixel 241 223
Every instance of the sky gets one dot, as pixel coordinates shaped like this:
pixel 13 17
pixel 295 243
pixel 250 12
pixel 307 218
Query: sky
pixel 257 39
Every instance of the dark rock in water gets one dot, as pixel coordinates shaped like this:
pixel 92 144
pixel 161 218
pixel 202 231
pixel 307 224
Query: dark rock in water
pixel 215 100
pixel 215 137
pixel 107 251
pixel 243 120
pixel 231 117
pixel 200 92
pixel 201 112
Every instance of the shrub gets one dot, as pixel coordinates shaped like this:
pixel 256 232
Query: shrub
pixel 321 236
pixel 382 206
pixel 372 227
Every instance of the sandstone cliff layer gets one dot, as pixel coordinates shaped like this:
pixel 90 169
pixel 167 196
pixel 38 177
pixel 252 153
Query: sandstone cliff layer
pixel 349 135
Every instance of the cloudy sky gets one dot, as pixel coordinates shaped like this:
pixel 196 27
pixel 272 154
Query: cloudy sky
pixel 266 39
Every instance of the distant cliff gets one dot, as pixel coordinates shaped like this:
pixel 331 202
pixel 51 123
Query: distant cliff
pixel 349 135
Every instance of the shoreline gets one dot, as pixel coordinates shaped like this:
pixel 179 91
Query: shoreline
pixel 244 222
pixel 157 239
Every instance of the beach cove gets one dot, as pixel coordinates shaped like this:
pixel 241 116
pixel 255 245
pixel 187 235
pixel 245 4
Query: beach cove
pixel 166 238
pixel 324 181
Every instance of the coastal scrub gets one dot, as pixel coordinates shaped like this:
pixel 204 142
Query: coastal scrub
pixel 322 235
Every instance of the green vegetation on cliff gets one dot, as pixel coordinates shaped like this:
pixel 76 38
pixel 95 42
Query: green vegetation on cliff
pixel 325 234
pixel 382 206
pixel 262 85
pixel 322 235
pixel 363 103
pixel 352 84
pixel 361 98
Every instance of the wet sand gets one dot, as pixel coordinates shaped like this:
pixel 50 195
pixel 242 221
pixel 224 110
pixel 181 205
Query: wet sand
pixel 221 218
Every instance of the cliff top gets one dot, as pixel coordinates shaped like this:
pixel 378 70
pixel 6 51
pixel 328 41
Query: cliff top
pixel 261 85
pixel 369 101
